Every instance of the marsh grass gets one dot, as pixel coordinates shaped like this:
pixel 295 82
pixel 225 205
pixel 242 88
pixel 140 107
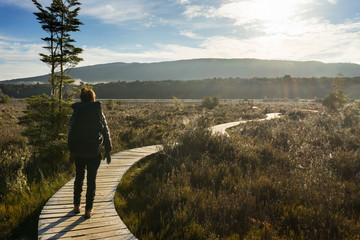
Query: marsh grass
pixel 19 210
pixel 24 189
pixel 136 125
pixel 292 178
pixel 21 196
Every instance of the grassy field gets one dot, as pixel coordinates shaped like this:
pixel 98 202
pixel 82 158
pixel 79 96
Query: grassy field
pixel 291 178
pixel 21 196
pixel 132 125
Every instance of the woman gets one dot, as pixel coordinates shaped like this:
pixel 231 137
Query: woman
pixel 88 132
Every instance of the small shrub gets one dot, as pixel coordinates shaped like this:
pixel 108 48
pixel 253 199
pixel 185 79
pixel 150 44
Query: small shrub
pixel 109 104
pixel 46 123
pixel 334 100
pixel 4 98
pixel 210 103
pixel 337 98
pixel 177 102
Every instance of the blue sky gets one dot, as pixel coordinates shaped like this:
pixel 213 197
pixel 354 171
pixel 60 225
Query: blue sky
pixel 165 30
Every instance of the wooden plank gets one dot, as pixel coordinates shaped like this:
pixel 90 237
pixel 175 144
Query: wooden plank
pixel 69 232
pixel 69 221
pixel 104 235
pixel 75 226
pixel 69 207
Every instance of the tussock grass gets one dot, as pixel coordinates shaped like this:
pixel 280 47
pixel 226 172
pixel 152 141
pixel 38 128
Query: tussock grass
pixel 136 125
pixel 21 195
pixel 24 189
pixel 292 178
pixel 19 210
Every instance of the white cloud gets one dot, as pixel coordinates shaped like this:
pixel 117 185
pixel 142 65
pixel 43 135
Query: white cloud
pixel 16 70
pixel 337 44
pixel 190 34
pixel 100 55
pixel 279 29
pixel 14 39
pixel 109 11
pixel 182 2
pixel 114 12
pixel 333 1
pixel 194 11
pixel 124 12
pixel 24 4
pixel 19 3
pixel 253 13
pixel 19 59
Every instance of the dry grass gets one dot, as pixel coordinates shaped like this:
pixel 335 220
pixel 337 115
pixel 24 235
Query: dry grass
pixel 131 125
pixel 292 178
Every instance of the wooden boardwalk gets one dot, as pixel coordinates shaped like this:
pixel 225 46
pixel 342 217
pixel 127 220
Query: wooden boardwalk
pixel 221 128
pixel 57 219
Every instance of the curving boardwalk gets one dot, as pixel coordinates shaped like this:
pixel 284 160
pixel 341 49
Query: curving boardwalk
pixel 222 127
pixel 57 219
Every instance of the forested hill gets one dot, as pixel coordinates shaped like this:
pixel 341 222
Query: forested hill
pixel 202 69
pixel 234 88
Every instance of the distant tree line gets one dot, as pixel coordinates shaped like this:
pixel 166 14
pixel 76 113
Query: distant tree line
pixel 231 88
pixel 25 90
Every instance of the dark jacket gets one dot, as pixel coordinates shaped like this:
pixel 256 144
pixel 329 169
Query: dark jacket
pixel 88 130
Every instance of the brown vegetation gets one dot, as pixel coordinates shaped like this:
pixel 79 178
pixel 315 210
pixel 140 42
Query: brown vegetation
pixel 292 178
pixel 27 181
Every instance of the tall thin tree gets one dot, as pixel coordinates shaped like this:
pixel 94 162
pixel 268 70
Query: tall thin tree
pixel 49 24
pixel 60 20
pixel 68 11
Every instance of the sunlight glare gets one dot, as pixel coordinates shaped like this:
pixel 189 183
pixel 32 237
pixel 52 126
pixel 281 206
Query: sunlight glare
pixel 271 16
pixel 276 10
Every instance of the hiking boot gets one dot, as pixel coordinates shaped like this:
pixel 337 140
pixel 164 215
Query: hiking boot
pixel 77 208
pixel 88 213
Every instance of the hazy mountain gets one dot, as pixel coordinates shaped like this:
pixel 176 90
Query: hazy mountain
pixel 203 69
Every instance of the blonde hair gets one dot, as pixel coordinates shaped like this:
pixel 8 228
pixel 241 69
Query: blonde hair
pixel 87 95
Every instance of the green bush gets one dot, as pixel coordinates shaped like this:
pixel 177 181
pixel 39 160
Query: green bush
pixel 334 100
pixel 109 104
pixel 177 102
pixel 46 122
pixel 210 103
pixel 4 98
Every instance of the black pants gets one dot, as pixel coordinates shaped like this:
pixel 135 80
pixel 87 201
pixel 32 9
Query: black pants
pixel 91 165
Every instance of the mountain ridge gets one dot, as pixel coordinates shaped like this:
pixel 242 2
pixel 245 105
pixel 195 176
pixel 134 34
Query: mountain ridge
pixel 203 68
